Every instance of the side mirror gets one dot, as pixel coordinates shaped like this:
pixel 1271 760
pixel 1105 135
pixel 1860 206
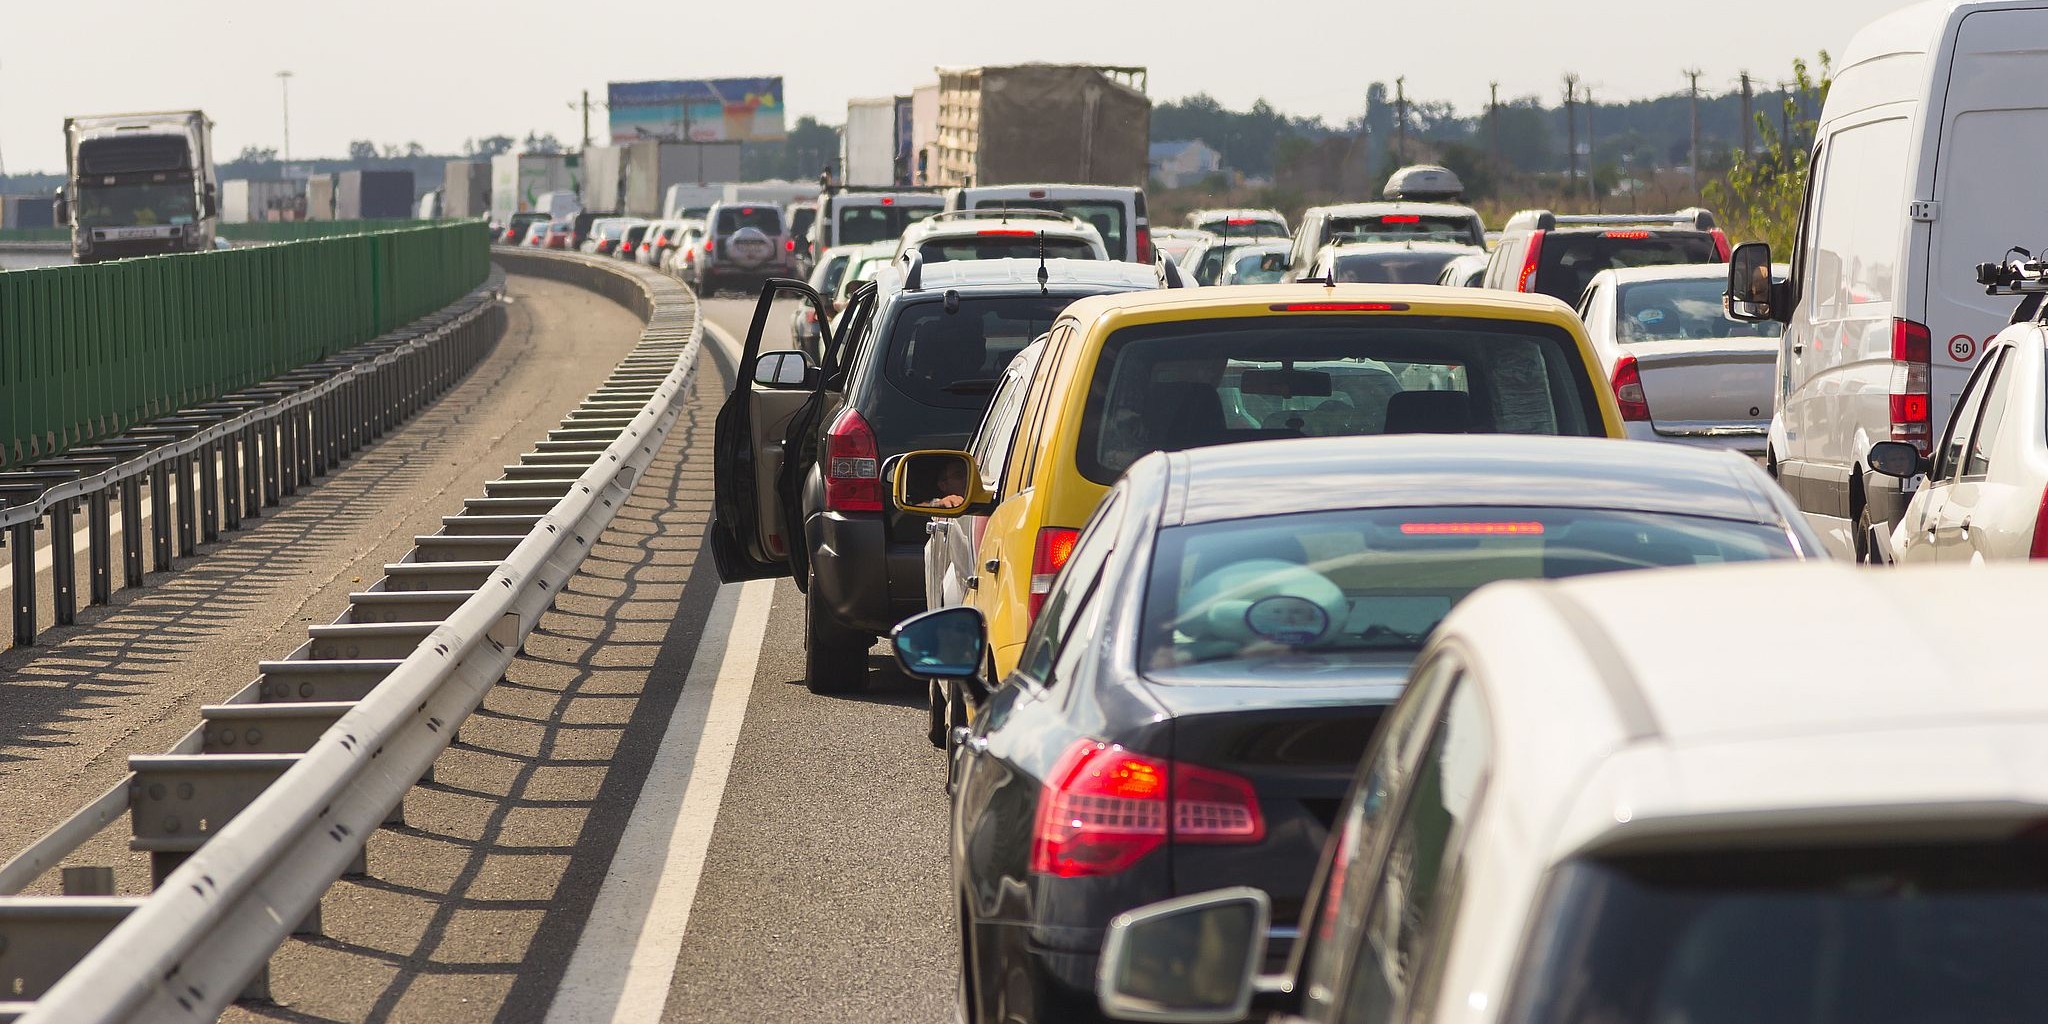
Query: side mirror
pixel 939 483
pixel 949 643
pixel 60 209
pixel 210 203
pixel 787 370
pixel 1753 296
pixel 1195 959
pixel 1273 262
pixel 1897 459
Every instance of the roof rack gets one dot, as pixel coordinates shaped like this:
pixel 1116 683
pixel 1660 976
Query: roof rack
pixel 1013 213
pixel 1543 220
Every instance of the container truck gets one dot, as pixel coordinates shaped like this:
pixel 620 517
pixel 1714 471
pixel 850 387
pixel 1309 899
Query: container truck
pixel 466 189
pixel 867 156
pixel 373 195
pixel 320 196
pixel 604 178
pixel 652 165
pixel 27 212
pixel 138 185
pixel 518 179
pixel 778 193
pixel 1082 124
pixel 243 200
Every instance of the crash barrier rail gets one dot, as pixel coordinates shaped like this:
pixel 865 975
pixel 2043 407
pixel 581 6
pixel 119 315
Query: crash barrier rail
pixel 256 812
pixel 90 351
pixel 301 230
pixel 208 466
pixel 36 236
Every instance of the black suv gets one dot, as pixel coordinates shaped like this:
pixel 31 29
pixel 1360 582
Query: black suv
pixel 910 364
pixel 744 243
pixel 1554 255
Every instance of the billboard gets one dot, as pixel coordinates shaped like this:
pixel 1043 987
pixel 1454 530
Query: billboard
pixel 698 110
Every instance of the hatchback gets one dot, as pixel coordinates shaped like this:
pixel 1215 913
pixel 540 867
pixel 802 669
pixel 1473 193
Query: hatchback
pixel 1228 632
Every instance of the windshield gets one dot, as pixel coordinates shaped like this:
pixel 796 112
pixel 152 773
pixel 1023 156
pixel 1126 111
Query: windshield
pixel 1249 227
pixel 137 205
pixel 1193 383
pixel 1669 310
pixel 1311 588
pixel 1568 260
pixel 870 223
pixel 1395 267
pixel 765 219
pixel 953 360
pixel 1400 227
pixel 1022 246
pixel 833 271
pixel 1106 216
pixel 1909 934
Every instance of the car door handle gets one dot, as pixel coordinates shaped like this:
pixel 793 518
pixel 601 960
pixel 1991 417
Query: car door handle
pixel 974 583
pixel 1798 347
pixel 965 739
pixel 991 566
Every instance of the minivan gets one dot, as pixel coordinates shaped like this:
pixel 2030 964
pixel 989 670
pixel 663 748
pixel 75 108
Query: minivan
pixel 855 216
pixel 1934 117
pixel 1116 211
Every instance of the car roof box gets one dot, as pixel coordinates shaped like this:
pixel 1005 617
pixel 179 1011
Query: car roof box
pixel 1425 183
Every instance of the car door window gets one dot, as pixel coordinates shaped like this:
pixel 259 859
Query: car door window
pixel 1949 456
pixel 1998 393
pixel 991 447
pixel 1070 592
pixel 1040 400
pixel 1405 897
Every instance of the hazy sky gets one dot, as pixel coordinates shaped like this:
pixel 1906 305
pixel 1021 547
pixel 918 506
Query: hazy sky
pixel 440 71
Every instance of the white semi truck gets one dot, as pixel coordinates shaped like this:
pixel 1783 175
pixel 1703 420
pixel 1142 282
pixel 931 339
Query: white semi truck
pixel 138 185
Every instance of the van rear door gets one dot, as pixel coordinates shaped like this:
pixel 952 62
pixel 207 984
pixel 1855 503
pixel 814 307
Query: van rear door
pixel 1994 141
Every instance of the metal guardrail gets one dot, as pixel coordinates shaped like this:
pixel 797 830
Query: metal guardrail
pixel 211 465
pixel 261 808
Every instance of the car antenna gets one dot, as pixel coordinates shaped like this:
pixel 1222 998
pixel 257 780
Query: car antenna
pixel 1042 275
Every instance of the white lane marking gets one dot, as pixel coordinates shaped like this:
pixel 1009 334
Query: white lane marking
pixel 626 957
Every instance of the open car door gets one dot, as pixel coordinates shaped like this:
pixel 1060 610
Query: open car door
pixel 772 383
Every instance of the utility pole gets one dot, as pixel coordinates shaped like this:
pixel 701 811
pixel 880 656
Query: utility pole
pixel 1571 131
pixel 284 85
pixel 1401 118
pixel 1694 75
pixel 1748 119
pixel 1592 163
pixel 586 119
pixel 1493 119
pixel 1785 146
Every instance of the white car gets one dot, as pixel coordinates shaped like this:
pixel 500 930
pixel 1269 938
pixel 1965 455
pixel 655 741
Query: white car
pixel 826 274
pixel 1984 493
pixel 1175 243
pixel 1409 262
pixel 1588 806
pixel 1885 318
pixel 1240 223
pixel 1464 272
pixel 1680 369
pixel 1001 234
pixel 1116 211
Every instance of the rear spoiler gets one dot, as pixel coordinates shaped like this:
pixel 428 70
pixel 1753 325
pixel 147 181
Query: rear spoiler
pixel 1691 217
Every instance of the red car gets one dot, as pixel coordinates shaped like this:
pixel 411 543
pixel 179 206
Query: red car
pixel 561 234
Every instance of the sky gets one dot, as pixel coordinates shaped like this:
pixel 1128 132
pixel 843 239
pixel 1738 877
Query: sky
pixel 437 72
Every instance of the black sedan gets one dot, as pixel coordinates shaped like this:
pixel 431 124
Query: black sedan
pixel 1210 664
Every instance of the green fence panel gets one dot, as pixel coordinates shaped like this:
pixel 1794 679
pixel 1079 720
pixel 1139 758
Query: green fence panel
pixel 89 351
pixel 35 235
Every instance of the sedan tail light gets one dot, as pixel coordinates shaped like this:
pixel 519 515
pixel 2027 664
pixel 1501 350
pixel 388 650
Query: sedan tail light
pixel 2039 547
pixel 853 478
pixel 1144 244
pixel 1529 261
pixel 1103 808
pixel 1628 391
pixel 1048 556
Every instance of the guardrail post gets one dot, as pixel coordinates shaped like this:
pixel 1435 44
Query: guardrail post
pixel 131 532
pixel 209 493
pixel 302 459
pixel 272 433
pixel 99 543
pixel 292 434
pixel 63 565
pixel 22 537
pixel 231 479
pixel 188 523
pixel 160 514
pixel 252 471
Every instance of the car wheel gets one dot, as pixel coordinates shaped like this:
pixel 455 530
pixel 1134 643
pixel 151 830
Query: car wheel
pixel 835 658
pixel 935 695
pixel 1862 538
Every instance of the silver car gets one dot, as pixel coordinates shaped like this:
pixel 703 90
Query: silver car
pixel 1682 371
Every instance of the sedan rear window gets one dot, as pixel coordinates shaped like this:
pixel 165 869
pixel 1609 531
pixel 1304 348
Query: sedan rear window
pixel 1831 935
pixel 765 219
pixel 1395 267
pixel 1399 227
pixel 999 247
pixel 861 224
pixel 1315 588
pixel 1248 227
pixel 1195 383
pixel 1569 260
pixel 1680 309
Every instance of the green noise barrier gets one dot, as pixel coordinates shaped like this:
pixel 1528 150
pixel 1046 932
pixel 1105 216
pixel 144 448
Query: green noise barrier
pixel 299 230
pixel 88 351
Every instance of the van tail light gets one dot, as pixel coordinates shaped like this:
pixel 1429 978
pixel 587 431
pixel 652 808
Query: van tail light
pixel 789 245
pixel 1529 261
pixel 1628 391
pixel 1721 245
pixel 1144 244
pixel 1911 403
pixel 1055 545
pixel 1103 808
pixel 853 471
pixel 709 245
pixel 2039 548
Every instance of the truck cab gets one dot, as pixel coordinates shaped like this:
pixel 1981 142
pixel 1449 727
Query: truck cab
pixel 139 185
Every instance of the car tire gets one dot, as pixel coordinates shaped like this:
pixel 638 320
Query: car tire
pixel 835 658
pixel 1864 524
pixel 935 698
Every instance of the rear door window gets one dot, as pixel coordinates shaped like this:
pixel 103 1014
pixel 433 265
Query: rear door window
pixel 1570 260
pixel 1195 383
pixel 875 223
pixel 1396 267
pixel 1108 217
pixel 999 247
pixel 765 219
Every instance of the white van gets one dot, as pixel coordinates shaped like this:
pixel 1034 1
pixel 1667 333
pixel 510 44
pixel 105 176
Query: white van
pixel 1936 121
pixel 1116 211
pixel 558 205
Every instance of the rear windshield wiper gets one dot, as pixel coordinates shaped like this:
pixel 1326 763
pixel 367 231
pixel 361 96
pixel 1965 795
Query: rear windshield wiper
pixel 975 386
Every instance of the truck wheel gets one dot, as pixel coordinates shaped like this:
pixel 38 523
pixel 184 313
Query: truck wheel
pixel 835 658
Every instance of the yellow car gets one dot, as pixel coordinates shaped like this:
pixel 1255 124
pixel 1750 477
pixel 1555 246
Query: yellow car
pixel 1119 376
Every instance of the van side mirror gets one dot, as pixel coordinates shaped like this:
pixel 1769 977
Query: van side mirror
pixel 1899 459
pixel 939 483
pixel 786 370
pixel 948 643
pixel 1753 296
pixel 1194 959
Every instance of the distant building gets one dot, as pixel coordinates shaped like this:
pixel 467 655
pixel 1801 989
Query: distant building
pixel 1184 162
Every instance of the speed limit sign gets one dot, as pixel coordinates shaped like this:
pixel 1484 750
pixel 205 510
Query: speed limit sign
pixel 1961 348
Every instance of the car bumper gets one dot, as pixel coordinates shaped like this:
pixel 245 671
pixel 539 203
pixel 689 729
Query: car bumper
pixel 867 583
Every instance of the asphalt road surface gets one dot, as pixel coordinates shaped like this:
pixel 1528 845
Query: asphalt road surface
pixel 651 818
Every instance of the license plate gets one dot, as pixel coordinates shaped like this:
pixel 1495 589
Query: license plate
pixel 122 234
